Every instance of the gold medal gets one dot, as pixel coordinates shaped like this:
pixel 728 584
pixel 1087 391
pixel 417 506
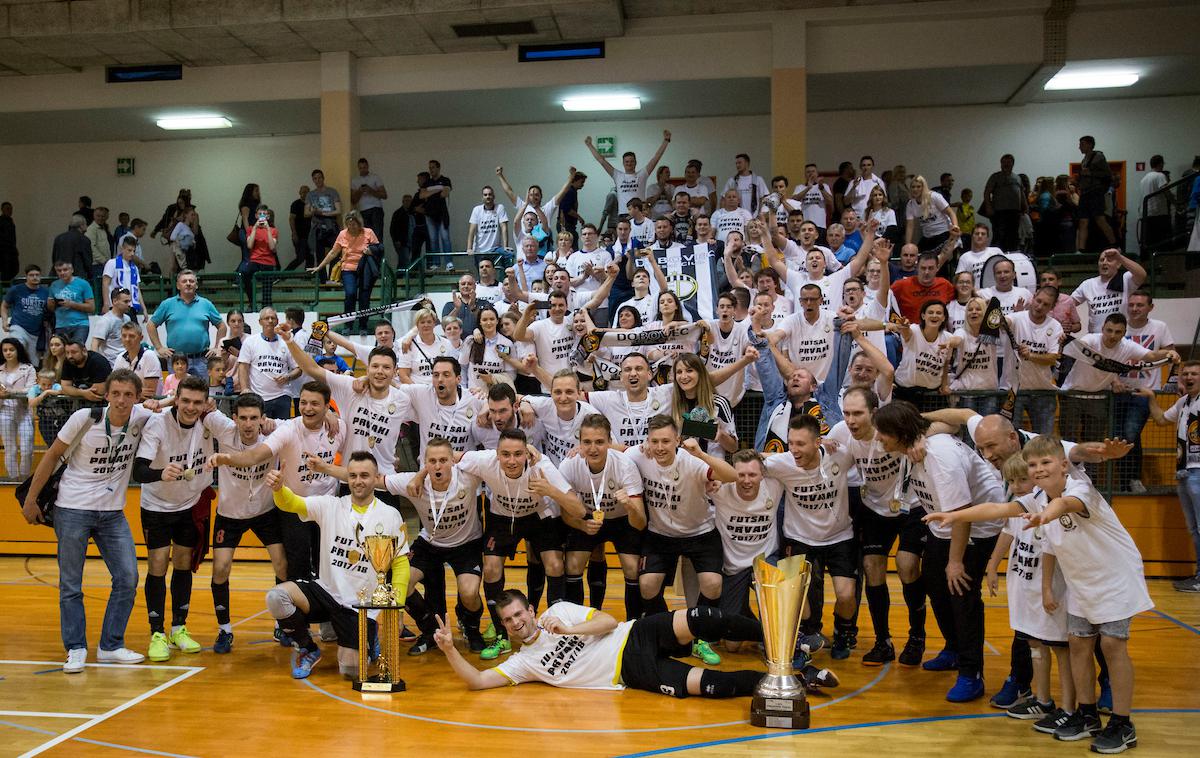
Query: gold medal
pixel 331 437
pixel 654 405
pixel 207 434
pixel 354 556
pixel 598 516
pixel 462 492
pixel 188 474
pixel 895 505
pixel 370 442
pixel 675 474
pixel 391 407
pixel 470 413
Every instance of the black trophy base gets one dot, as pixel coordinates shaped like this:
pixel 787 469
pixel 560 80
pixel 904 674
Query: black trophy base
pixel 779 713
pixel 385 688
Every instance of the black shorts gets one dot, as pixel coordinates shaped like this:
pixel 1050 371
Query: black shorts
pixel 1091 204
pixel 878 533
pixel 660 554
pixel 914 536
pixel 838 559
pixel 323 607
pixel 227 532
pixel 648 661
pixel 1027 638
pixel 161 529
pixel 502 533
pixel 429 559
pixel 624 538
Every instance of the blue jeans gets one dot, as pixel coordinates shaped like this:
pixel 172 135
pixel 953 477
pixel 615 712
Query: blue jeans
pixel 198 367
pixel 278 408
pixel 1129 417
pixel 1189 499
pixel 774 385
pixel 1040 409
pixel 74 333
pixel 110 531
pixel 358 292
pixel 439 241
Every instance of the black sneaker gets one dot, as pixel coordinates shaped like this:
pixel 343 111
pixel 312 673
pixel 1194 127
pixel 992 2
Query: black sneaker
pixel 1031 709
pixel 422 645
pixel 842 642
pixel 913 652
pixel 1078 727
pixel 1115 738
pixel 475 641
pixel 1050 723
pixel 882 653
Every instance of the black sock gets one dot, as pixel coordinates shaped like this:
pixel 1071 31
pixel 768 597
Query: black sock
pixel 556 588
pixel 220 593
pixel 656 604
pixel 535 582
pixel 155 590
pixel 181 596
pixel 419 610
pixel 703 601
pixel 1102 677
pixel 1119 720
pixel 717 684
pixel 296 627
pixel 491 592
pixel 470 619
pixel 574 589
pixel 710 625
pixel 914 598
pixel 1020 663
pixel 843 625
pixel 1087 710
pixel 597 579
pixel 878 602
pixel 633 599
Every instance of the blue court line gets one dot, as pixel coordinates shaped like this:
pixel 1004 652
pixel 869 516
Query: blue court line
pixel 867 725
pixel 47 671
pixel 1176 621
pixel 145 751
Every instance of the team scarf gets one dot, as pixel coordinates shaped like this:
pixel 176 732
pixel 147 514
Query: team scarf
pixel 321 328
pixel 1081 352
pixel 989 332
pixel 604 371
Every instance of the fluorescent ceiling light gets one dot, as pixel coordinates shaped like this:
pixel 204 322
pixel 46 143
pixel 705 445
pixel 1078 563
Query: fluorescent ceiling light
pixel 1092 80
pixel 603 103
pixel 194 122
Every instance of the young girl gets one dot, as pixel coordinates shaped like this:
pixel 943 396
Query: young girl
pixel 480 354
pixel 670 312
pixel 878 209
pixel 56 353
pixel 975 367
pixel 1026 581
pixel 16 425
pixel 179 367
pixel 956 309
pixel 922 377
pixel 693 396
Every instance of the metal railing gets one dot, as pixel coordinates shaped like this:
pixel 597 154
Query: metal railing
pixel 1176 236
pixel 267 284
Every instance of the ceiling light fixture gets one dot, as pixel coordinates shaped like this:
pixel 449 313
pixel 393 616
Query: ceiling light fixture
pixel 603 103
pixel 175 123
pixel 1091 80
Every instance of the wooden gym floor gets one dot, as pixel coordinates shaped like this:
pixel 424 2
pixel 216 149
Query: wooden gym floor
pixel 247 704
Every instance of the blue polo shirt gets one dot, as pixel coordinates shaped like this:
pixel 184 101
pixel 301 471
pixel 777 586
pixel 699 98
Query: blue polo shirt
pixel 187 323
pixel 76 291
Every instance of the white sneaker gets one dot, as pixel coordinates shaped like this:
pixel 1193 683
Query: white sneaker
pixel 76 660
pixel 326 632
pixel 449 266
pixel 120 655
pixel 1136 487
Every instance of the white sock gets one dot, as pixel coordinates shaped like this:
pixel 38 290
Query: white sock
pixel 175 629
pixel 225 628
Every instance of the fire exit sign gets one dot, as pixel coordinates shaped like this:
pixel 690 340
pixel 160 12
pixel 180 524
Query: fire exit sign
pixel 124 166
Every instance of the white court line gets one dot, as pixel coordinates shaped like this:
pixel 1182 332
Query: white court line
pixel 991 647
pixel 48 715
pixel 70 734
pixel 192 669
pixel 239 623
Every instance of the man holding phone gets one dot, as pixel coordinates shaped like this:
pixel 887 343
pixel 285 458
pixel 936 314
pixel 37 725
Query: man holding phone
pixel 71 300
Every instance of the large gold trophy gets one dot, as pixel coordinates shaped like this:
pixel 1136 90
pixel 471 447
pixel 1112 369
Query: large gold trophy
pixel 779 701
pixel 379 550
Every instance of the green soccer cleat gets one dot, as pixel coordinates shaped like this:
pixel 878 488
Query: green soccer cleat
pixel 489 634
pixel 183 642
pixel 704 652
pixel 159 649
pixel 500 647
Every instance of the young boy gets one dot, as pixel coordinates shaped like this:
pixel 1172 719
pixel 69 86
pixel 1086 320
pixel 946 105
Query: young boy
pixel 218 382
pixel 1037 609
pixel 965 212
pixel 1105 584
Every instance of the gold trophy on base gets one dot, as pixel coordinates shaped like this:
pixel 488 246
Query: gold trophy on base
pixel 779 701
pixel 379 550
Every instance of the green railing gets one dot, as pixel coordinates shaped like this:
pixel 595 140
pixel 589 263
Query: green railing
pixel 417 266
pixel 308 285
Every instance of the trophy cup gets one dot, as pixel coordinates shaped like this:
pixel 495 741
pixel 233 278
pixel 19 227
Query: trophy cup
pixel 379 550
pixel 779 701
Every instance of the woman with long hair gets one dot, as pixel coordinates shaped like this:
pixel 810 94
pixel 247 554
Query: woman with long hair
pixel 694 397
pixel 660 195
pixel 956 309
pixel 360 267
pixel 931 211
pixel 261 240
pixel 238 331
pixel 251 198
pixel 975 365
pixel 480 355
pixel 922 377
pixel 56 353
pixel 878 209
pixel 670 314
pixel 16 425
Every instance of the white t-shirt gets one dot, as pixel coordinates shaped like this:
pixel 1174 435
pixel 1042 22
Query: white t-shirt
pixel 628 418
pixel 748 187
pixel 629 186
pixel 975 364
pixel 589 661
pixel 726 350
pixel 1153 335
pixel 1039 338
pixel 730 221
pixel 950 477
pixel 1099 559
pixel 108 329
pixel 1086 378
pixel 1102 301
pixel 420 356
pixel 165 442
pixel 816 501
pixel 344 568
pixel 922 362
pixel 490 363
pixel 1185 414
pixel 643 231
pixel 453 422
pixel 808 345
pixel 813 204
pixel 619 473
pixel 1158 205
pixel 266 359
pixel 676 505
pixel 97 473
pixel 367 201
pixel 126 275
pixel 553 344
pixel 374 424
pixel 857 195
pixel 146 365
pixel 242 492
pixel 832 286
pixel 511 498
pixel 936 222
pixel 702 189
pixel 1023 582
pixel 645 306
pixel 291 440
pixel 558 436
pixel 747 527
pixel 875 470
pixel 973 261
pixel 449 518
pixel 487 227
